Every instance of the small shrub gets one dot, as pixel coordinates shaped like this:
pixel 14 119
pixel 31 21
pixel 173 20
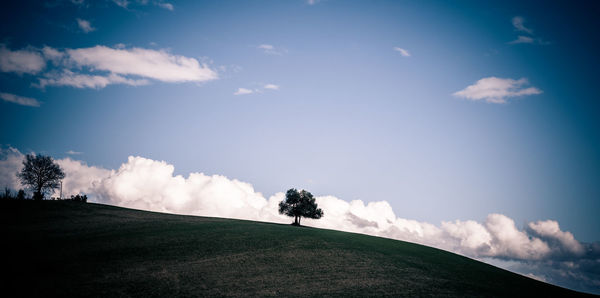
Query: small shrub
pixel 79 198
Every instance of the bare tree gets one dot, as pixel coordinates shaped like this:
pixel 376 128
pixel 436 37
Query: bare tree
pixel 41 174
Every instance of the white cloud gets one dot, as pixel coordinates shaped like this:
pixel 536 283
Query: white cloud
pixel 20 100
pixel 402 52
pixel 312 2
pixel 166 5
pixel 474 237
pixel 99 66
pixel 541 249
pixel 242 91
pixel 52 54
pixel 550 230
pixel 72 152
pixel 80 178
pixel 85 26
pixel 509 242
pixel 266 47
pixel 11 162
pixel 71 79
pixel 153 64
pixel 21 61
pixel 497 90
pixel 529 40
pixel 536 277
pixel 160 3
pixel 522 39
pixel 121 3
pixel 519 25
pixel 271 50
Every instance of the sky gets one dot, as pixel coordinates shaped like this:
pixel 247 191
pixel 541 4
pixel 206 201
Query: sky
pixel 469 126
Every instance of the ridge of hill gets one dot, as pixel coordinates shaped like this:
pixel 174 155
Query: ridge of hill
pixel 66 248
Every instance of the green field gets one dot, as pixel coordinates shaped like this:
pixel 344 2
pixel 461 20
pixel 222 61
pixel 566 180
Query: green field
pixel 61 248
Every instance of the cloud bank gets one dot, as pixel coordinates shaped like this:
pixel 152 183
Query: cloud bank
pixel 497 90
pixel 148 184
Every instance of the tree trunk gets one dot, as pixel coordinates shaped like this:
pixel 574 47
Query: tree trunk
pixel 38 194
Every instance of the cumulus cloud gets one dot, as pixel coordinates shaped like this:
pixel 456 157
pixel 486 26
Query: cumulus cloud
pixel 549 230
pixel 81 178
pixel 11 162
pixel 152 185
pixel 402 52
pixel 510 242
pixel 85 26
pixel 20 100
pixel 473 237
pixel 519 25
pixel 497 90
pixel 22 61
pixel 271 87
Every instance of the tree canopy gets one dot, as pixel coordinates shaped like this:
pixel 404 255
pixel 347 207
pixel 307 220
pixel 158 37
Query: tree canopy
pixel 298 204
pixel 41 174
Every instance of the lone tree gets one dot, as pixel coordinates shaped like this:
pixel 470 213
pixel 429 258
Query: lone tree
pixel 298 204
pixel 41 174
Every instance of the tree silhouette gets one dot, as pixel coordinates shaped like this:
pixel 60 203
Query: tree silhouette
pixel 298 204
pixel 41 174
pixel 20 195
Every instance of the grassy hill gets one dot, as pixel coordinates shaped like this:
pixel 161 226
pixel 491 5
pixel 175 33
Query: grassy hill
pixel 67 248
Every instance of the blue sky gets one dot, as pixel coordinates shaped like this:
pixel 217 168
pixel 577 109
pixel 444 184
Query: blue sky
pixel 360 100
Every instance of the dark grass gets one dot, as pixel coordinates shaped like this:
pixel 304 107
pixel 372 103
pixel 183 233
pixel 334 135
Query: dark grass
pixel 58 248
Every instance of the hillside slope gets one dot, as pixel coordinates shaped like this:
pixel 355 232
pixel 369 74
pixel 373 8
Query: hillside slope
pixel 78 249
